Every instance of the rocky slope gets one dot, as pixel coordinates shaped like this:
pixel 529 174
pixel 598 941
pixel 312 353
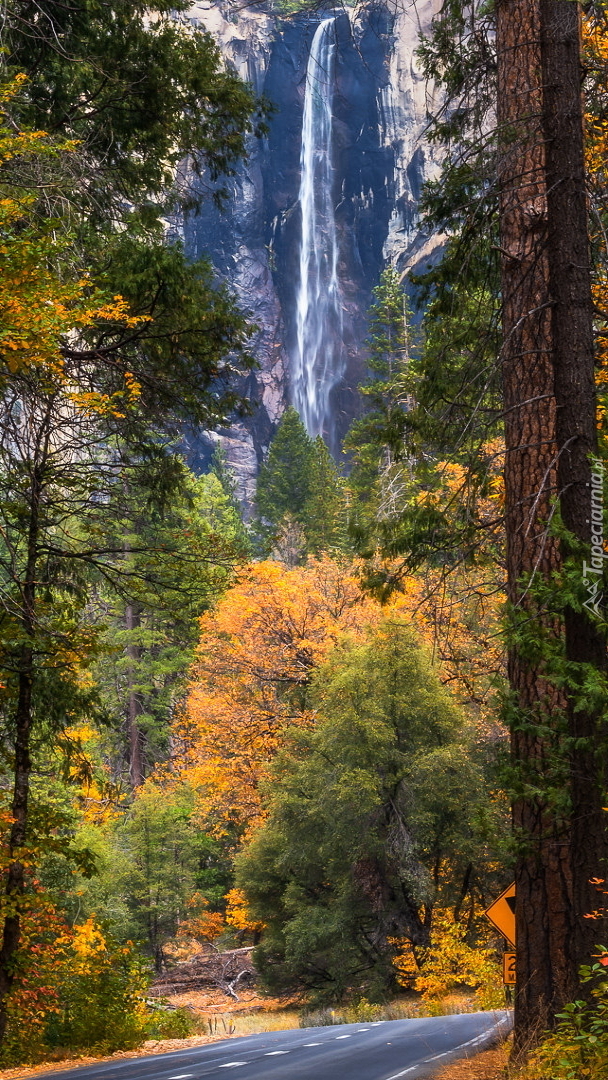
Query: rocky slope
pixel 381 160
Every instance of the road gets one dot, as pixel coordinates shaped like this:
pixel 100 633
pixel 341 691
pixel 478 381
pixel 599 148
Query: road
pixel 384 1050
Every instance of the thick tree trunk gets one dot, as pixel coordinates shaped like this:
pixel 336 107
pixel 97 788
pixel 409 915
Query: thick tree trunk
pixel 543 880
pixel 573 360
pixel 547 364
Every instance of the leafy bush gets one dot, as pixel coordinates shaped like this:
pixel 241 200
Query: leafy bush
pixel 578 1048
pixel 170 1024
pixel 102 994
pixel 450 963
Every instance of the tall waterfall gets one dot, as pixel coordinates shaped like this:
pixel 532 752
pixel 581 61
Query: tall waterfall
pixel 318 360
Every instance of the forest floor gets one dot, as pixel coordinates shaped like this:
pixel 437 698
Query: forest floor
pixel 489 1065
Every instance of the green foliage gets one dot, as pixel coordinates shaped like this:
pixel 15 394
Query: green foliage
pixel 138 87
pixel 150 861
pixel 170 1024
pixel 299 483
pixel 176 559
pixel 192 341
pixel 578 1048
pixel 344 863
pixel 376 441
pixel 101 995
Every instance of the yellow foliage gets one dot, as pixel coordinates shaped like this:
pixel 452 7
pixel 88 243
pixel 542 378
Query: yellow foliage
pixel 238 915
pixel 449 962
pixel 257 653
pixel 40 306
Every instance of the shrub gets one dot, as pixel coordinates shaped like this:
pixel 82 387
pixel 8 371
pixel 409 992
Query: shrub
pixel 578 1048
pixel 101 993
pixel 450 963
pixel 170 1024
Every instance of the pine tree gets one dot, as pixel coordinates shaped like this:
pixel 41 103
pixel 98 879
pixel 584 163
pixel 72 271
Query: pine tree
pixel 324 514
pixel 300 492
pixel 376 442
pixel 284 480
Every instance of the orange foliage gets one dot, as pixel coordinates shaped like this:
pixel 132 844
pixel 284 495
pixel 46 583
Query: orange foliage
pixel 200 924
pixel 257 653
pixel 259 649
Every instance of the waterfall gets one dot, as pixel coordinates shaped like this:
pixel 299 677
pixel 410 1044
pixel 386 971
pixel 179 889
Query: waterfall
pixel 318 359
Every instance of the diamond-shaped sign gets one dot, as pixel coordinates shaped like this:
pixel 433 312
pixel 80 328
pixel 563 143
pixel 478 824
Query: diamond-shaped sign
pixel 502 914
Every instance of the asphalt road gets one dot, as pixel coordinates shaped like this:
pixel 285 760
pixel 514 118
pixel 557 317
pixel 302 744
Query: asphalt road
pixel 384 1050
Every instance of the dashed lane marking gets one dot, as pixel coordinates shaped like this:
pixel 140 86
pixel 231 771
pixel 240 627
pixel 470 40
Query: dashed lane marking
pixel 273 1053
pixel 342 1037
pixel 232 1064
pixel 312 1044
pixel 484 1037
pixel 181 1076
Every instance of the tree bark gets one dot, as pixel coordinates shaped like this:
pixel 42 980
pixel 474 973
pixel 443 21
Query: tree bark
pixel 542 875
pixel 547 367
pixel 573 361
pixel 15 880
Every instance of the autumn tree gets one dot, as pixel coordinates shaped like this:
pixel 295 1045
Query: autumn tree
pixel 257 653
pixel 365 812
pixel 75 415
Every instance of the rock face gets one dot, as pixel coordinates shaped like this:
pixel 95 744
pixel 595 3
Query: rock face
pixel 380 159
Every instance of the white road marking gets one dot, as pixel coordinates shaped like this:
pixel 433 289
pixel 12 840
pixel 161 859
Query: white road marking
pixel 273 1053
pixel 342 1036
pixel 232 1064
pixel 181 1076
pixel 311 1044
pixel 471 1042
pixel 359 1030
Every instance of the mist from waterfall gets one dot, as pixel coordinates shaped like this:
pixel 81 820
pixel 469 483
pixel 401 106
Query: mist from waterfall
pixel 318 360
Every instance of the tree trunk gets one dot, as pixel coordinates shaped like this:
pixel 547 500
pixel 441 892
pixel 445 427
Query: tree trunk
pixel 134 703
pixel 543 886
pixel 573 359
pixel 547 365
pixel 15 880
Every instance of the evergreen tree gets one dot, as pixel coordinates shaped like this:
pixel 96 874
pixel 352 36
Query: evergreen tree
pixel 324 514
pixel 284 480
pixel 176 561
pixel 365 814
pixel 376 442
pixel 140 90
pixel 299 488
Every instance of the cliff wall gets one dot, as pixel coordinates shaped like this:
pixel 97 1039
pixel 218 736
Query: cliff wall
pixel 380 158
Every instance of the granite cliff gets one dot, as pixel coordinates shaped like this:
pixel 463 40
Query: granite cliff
pixel 379 109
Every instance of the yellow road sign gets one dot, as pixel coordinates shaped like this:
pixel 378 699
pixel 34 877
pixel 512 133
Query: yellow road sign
pixel 502 914
pixel 508 968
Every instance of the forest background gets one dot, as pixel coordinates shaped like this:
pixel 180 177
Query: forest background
pixel 287 734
